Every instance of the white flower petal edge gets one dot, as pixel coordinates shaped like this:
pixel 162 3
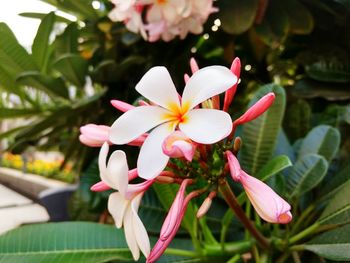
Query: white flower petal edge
pixel 139 229
pixel 157 86
pixel 118 169
pixel 117 205
pixel 206 83
pixel 130 234
pixel 152 160
pixel 207 125
pixel 136 122
pixel 106 177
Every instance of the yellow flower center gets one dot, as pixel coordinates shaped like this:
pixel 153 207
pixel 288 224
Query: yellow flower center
pixel 161 2
pixel 177 114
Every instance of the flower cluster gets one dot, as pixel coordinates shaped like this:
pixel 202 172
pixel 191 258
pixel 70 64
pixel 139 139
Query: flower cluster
pixel 162 19
pixel 177 136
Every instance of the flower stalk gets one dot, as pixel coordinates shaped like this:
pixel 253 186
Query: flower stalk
pixel 231 200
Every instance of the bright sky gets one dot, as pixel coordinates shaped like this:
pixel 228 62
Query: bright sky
pixel 24 28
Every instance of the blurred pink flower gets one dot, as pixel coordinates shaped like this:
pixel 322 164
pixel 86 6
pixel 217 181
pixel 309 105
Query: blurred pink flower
pixel 269 205
pixel 94 135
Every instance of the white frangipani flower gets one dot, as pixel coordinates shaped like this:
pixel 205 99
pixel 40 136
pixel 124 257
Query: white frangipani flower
pixel 123 205
pixel 204 126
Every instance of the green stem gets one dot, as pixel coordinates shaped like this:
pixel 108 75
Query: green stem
pixel 231 200
pixel 302 218
pixel 304 233
pixel 234 259
pixel 180 252
pixel 229 248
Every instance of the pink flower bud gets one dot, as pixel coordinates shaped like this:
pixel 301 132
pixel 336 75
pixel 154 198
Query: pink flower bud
pixel 100 187
pixel 171 223
pixel 193 65
pixel 94 135
pixel 269 205
pixel 229 94
pixel 257 109
pixel 178 145
pixel 121 105
pixel 203 209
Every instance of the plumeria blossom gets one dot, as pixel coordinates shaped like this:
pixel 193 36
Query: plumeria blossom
pixel 178 145
pixel 123 205
pixel 229 94
pixel 205 126
pixel 162 19
pixel 269 206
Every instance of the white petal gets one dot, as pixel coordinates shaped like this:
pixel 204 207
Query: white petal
pixel 151 159
pixel 207 125
pixel 136 122
pixel 116 206
pixel 118 171
pixel 130 234
pixel 139 228
pixel 206 83
pixel 157 86
pixel 106 177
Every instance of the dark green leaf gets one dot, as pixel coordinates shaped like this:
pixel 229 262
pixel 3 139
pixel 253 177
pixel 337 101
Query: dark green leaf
pixel 338 209
pixel 260 135
pixel 333 245
pixel 323 140
pixel 306 174
pixel 42 15
pixel 300 19
pixel 6 113
pixel 64 242
pixel 273 167
pixel 237 16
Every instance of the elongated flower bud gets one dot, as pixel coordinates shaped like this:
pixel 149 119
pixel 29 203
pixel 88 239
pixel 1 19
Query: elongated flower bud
pixel 203 209
pixel 257 109
pixel 121 105
pixel 94 135
pixel 269 205
pixel 229 94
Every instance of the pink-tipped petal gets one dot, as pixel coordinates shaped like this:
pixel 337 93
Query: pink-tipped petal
pixel 186 78
pixel 218 78
pixel 157 86
pixel 269 205
pixel 152 160
pixel 257 109
pixel 235 168
pixel 136 122
pixel 121 105
pixel 135 189
pixel 178 145
pixel 100 187
pixel 132 174
pixel 206 126
pixel 90 142
pixel 230 93
pixel 117 205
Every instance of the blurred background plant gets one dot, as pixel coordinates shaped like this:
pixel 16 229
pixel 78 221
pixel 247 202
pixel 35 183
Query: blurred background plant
pixel 75 68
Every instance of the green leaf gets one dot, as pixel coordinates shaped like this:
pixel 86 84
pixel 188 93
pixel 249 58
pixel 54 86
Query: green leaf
pixel 273 167
pixel 51 86
pixel 237 16
pixel 6 113
pixel 73 68
pixel 260 135
pixel 67 42
pixel 333 245
pixel 335 183
pixel 300 19
pixel 306 174
pixel 41 46
pixel 12 54
pixel 64 242
pixel 40 16
pixel 338 209
pixel 323 140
